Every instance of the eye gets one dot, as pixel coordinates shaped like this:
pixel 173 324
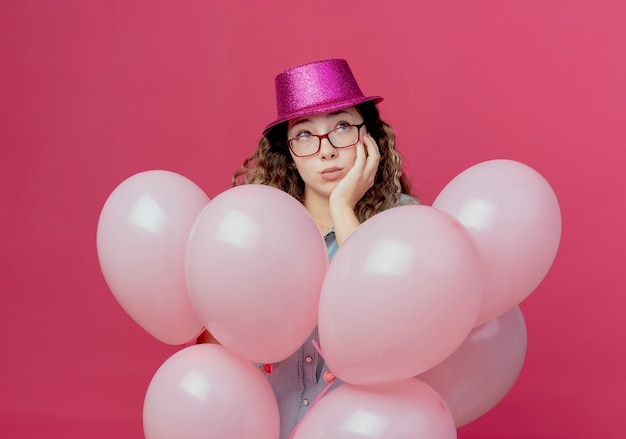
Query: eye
pixel 303 135
pixel 342 126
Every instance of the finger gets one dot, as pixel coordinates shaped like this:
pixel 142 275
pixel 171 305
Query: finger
pixel 372 146
pixel 373 158
pixel 361 156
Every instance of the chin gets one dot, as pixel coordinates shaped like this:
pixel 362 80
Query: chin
pixel 324 192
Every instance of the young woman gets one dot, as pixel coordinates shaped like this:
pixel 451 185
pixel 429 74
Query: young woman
pixel 330 150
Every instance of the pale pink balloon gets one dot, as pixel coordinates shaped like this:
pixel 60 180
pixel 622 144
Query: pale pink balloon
pixel 514 216
pixel 205 391
pixel 476 377
pixel 141 241
pixel 408 409
pixel 255 265
pixel 401 294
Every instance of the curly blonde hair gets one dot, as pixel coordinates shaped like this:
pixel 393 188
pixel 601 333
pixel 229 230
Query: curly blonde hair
pixel 272 164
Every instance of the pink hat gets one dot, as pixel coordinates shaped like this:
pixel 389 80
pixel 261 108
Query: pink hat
pixel 316 87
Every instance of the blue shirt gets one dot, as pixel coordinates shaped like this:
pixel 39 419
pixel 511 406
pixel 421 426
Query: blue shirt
pixel 298 380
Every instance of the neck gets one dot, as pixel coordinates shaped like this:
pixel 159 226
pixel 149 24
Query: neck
pixel 318 207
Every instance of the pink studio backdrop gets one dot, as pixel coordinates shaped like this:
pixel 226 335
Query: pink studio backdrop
pixel 94 92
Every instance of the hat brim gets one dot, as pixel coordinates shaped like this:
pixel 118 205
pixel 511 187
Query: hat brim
pixel 323 108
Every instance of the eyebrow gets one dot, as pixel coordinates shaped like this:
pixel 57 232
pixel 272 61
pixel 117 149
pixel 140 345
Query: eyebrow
pixel 331 114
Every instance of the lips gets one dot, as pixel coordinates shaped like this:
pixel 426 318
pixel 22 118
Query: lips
pixel 331 174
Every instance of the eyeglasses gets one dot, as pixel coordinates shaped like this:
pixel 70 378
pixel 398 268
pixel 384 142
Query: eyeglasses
pixel 307 144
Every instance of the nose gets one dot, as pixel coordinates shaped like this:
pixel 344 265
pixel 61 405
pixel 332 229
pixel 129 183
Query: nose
pixel 327 150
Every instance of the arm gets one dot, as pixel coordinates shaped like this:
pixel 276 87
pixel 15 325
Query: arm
pixel 351 189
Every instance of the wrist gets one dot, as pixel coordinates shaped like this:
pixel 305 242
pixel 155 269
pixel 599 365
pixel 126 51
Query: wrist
pixel 339 211
pixel 345 222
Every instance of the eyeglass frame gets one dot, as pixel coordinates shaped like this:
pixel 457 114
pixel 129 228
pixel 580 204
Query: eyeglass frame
pixel 325 136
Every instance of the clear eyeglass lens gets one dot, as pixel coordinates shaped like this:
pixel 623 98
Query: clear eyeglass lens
pixel 339 138
pixel 305 145
pixel 343 136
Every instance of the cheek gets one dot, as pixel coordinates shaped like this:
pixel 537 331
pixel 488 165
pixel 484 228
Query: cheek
pixel 302 169
pixel 349 158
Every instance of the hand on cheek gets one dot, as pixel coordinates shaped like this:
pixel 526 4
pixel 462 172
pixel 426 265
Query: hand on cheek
pixel 359 179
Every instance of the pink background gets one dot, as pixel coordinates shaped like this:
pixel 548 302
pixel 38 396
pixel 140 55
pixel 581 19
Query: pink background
pixel 94 92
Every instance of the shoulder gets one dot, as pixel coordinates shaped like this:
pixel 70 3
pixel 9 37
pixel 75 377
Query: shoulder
pixel 406 200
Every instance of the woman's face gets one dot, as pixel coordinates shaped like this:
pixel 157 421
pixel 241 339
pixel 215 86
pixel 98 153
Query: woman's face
pixel 322 171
